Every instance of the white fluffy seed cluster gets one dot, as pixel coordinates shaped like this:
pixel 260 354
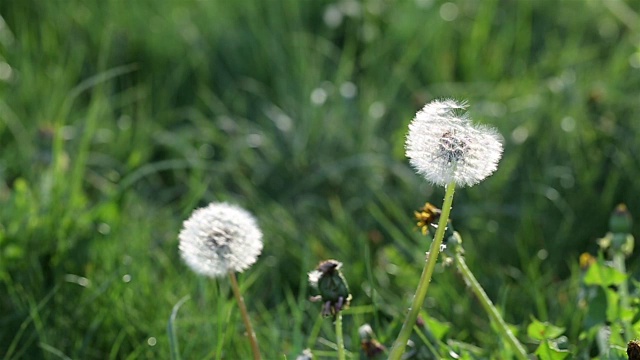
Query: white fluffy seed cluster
pixel 219 239
pixel 444 146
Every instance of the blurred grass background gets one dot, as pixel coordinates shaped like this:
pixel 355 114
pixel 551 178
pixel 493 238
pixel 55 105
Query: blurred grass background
pixel 118 118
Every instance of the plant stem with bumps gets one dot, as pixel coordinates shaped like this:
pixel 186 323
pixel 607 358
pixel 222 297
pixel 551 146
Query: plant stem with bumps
pixel 421 292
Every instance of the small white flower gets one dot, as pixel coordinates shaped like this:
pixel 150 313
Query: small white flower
pixel 219 239
pixel 444 146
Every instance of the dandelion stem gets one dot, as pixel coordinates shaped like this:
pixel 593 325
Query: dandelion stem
pixel 618 263
pixel 339 337
pixel 421 291
pixel 245 316
pixel 488 306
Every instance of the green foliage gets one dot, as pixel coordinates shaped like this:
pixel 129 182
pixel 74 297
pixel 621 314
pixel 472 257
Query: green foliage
pixel 601 275
pixel 543 330
pixel 117 118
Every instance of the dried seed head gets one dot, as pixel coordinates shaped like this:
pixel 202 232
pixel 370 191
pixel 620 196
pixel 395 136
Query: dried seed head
pixel 220 238
pixel 444 146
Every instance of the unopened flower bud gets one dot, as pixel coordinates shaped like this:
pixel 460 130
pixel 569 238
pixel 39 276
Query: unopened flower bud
pixel 620 221
pixel 333 288
pixel 371 347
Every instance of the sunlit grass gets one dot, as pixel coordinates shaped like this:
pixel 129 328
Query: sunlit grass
pixel 118 118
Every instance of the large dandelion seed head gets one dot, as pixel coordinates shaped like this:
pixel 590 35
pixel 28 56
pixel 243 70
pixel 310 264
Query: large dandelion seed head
pixel 444 146
pixel 219 239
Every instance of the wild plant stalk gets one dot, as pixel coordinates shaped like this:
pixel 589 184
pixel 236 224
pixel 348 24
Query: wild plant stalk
pixel 623 290
pixel 423 285
pixel 621 242
pixel 339 337
pixel 222 239
pixel 245 316
pixel 445 147
pixel 488 306
pixel 334 295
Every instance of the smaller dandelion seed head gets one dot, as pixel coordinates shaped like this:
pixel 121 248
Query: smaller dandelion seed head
pixel 220 238
pixel 444 146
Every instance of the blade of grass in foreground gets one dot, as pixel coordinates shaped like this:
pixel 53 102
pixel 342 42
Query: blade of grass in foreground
pixel 171 329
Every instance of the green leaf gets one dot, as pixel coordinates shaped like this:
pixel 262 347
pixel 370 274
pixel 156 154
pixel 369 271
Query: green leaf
pixel 547 351
pixel 603 275
pixel 543 330
pixel 438 329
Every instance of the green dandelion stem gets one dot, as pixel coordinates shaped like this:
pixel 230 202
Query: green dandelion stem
pixel 623 289
pixel 496 318
pixel 421 292
pixel 245 316
pixel 339 337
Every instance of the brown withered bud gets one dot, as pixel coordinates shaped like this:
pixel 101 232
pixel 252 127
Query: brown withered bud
pixel 633 350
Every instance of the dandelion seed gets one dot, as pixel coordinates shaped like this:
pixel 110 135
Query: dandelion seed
pixel 219 239
pixel 444 146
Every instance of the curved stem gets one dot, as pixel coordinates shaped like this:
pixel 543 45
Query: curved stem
pixel 245 316
pixel 421 291
pixel 488 306
pixel 339 338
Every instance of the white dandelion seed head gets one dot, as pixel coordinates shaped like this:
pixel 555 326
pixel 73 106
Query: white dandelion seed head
pixel 444 146
pixel 220 238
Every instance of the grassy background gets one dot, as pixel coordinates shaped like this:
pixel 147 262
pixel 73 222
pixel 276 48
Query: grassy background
pixel 118 118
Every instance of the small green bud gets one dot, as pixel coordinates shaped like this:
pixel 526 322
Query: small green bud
pixel 332 286
pixel 620 221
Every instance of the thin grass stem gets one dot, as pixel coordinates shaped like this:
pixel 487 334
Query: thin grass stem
pixel 171 329
pixel 421 291
pixel 496 318
pixel 245 316
pixel 339 337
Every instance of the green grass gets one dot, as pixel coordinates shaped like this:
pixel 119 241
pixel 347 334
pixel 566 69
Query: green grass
pixel 118 118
